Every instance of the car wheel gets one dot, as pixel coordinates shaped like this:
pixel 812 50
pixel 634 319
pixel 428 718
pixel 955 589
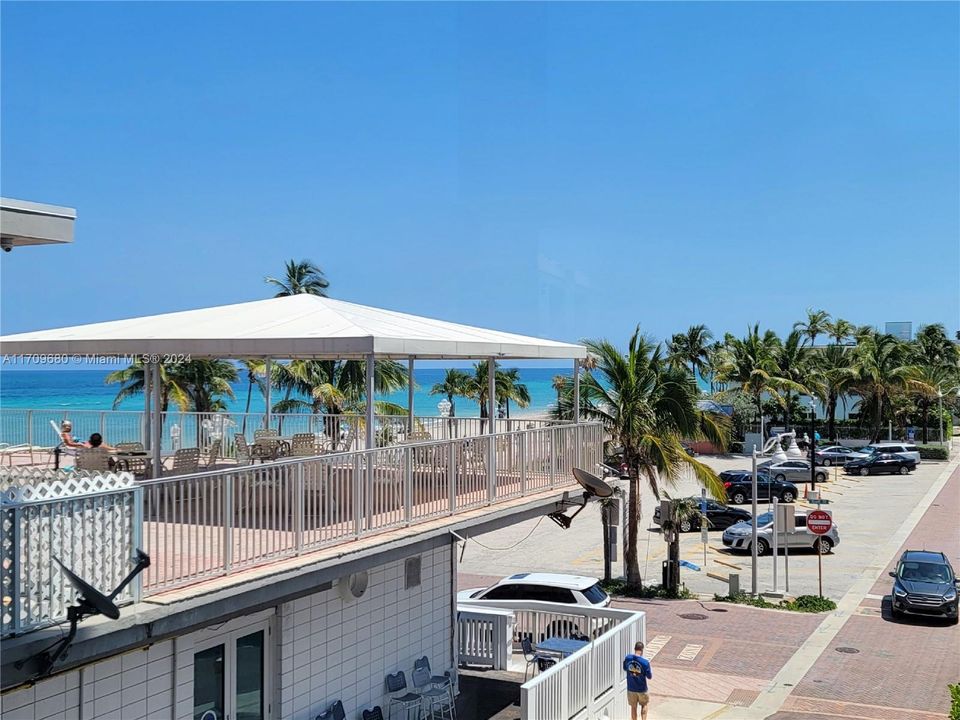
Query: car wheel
pixel 864 471
pixel 787 496
pixel 780 478
pixel 826 462
pixel 904 469
pixel 826 545
pixel 762 547
pixel 686 525
pixel 821 477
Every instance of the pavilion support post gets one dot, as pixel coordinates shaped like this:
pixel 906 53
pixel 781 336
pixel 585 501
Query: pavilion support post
pixel 157 430
pixel 371 417
pixel 410 386
pixel 147 400
pixel 492 425
pixel 576 391
pixel 268 367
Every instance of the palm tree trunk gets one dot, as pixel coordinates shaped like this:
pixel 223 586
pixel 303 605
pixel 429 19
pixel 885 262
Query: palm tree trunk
pixel 633 524
pixel 925 404
pixel 247 409
pixel 877 420
pixel 606 543
pixel 831 414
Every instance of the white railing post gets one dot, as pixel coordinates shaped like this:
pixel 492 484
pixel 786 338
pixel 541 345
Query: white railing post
pixel 298 510
pixel 137 537
pixel 452 475
pixel 228 505
pixel 103 425
pixel 523 462
pixel 357 500
pixel 491 469
pixel 408 484
pixel 552 456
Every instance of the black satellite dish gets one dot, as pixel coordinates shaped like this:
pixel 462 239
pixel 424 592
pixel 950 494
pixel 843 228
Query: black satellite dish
pixel 592 487
pixel 90 601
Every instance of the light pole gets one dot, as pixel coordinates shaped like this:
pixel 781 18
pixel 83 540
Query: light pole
pixel 940 416
pixel 813 445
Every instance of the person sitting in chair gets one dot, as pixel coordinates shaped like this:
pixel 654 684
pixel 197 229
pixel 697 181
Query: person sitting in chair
pixel 66 437
pixel 96 441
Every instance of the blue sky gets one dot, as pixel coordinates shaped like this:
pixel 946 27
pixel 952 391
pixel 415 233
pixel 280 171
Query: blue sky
pixel 565 170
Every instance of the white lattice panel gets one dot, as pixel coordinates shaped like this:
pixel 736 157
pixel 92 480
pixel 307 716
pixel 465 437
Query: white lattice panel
pixel 23 487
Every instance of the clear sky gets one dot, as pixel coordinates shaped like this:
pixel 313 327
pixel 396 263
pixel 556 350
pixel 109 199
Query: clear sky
pixel 565 170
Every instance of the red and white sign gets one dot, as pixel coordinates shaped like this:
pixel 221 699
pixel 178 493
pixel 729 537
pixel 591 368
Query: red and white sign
pixel 819 522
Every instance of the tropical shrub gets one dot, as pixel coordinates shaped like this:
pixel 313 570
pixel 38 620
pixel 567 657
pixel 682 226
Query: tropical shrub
pixel 933 452
pixel 954 702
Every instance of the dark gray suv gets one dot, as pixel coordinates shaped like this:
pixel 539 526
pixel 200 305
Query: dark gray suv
pixel 924 584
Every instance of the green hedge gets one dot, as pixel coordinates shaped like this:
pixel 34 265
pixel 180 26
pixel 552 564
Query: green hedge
pixel 954 702
pixel 803 603
pixel 933 452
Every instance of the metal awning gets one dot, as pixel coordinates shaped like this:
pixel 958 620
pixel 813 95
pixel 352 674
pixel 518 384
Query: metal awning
pixel 30 223
pixel 298 326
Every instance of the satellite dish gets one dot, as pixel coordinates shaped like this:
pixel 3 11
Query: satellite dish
pixel 353 586
pixel 592 484
pixel 592 487
pixel 89 595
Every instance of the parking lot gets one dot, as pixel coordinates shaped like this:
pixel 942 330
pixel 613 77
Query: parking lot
pixel 867 510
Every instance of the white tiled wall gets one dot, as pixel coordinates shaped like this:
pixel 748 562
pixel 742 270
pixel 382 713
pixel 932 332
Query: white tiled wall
pixel 335 650
pixel 135 686
pixel 327 650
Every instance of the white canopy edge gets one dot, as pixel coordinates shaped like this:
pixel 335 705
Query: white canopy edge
pixel 299 326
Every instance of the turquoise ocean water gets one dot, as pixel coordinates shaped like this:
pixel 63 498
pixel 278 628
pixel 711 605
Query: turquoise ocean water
pixel 86 390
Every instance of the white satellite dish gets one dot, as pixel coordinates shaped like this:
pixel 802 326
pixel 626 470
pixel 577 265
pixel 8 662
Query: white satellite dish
pixel 353 586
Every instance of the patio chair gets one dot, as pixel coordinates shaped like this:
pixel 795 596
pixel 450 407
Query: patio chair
pixel 96 459
pixel 441 682
pixel 264 433
pixel 532 657
pixel 134 446
pixel 436 702
pixel 374 713
pixel 267 448
pixel 334 712
pixel 185 460
pixel 404 703
pixel 244 451
pixel 10 451
pixel 303 445
pixel 213 454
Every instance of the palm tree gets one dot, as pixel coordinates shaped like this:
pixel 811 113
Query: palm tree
pixel 131 381
pixel 255 369
pixel 478 386
pixel 881 369
pixel 937 365
pixel 691 348
pixel 792 365
pixel 301 277
pixel 751 363
pixel 648 408
pixel 513 389
pixel 839 330
pixel 832 378
pixel 814 325
pixel 559 382
pixel 455 384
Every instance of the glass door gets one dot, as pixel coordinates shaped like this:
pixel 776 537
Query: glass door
pixel 249 677
pixel 208 690
pixel 230 677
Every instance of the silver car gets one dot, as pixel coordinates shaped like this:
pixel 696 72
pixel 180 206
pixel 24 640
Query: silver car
pixel 739 536
pixel 834 455
pixel 796 471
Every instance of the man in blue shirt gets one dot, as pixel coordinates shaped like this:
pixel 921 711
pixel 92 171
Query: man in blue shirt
pixel 638 671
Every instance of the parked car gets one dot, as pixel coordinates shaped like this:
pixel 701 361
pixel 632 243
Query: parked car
pixel 906 449
pixel 740 536
pixel 924 584
pixel 719 516
pixel 689 449
pixel 739 489
pixel 797 471
pixel 880 463
pixel 833 455
pixel 546 587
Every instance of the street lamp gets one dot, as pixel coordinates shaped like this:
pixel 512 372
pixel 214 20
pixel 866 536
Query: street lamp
pixel 813 445
pixel 940 416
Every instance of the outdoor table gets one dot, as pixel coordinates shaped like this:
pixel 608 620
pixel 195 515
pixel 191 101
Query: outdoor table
pixel 124 456
pixel 561 646
pixel 283 445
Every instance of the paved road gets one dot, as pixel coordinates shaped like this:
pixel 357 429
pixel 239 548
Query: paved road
pixel 747 663
pixel 864 509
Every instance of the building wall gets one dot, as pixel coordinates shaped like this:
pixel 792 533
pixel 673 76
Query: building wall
pixel 324 648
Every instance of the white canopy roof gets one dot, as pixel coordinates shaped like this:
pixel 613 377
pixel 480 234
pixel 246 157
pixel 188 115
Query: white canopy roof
pixel 298 326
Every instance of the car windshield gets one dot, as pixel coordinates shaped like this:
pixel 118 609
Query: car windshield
pixel 764 519
pixel 925 572
pixel 869 450
pixel 595 594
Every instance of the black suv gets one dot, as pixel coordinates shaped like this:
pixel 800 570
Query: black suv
pixel 739 483
pixel 924 584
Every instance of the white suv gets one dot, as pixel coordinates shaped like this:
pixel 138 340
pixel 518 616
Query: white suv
pixel 546 587
pixel 908 450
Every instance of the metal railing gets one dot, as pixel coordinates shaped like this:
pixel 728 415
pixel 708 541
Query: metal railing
pixel 19 426
pixel 484 637
pixel 208 524
pixel 590 683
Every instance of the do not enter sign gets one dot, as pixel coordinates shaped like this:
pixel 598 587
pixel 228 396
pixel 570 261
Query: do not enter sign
pixel 819 522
